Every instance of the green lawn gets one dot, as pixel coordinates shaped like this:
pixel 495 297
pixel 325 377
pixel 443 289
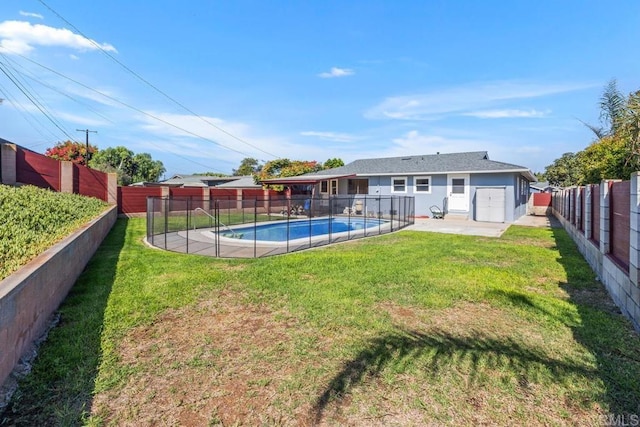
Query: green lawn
pixel 408 328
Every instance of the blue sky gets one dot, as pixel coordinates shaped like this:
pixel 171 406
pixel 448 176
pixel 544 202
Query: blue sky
pixel 201 84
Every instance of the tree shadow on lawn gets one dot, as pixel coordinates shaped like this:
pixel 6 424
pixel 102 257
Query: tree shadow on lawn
pixel 58 391
pixel 442 351
pixel 600 328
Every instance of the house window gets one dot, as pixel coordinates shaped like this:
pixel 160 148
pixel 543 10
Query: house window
pixel 422 184
pixel 334 186
pixel 399 184
pixel 457 186
pixel 324 186
pixel 358 186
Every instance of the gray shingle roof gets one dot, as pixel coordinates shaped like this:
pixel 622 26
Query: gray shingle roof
pixel 199 180
pixel 241 182
pixel 475 161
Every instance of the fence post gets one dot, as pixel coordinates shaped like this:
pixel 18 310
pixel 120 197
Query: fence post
pixel 8 159
pixel 112 188
pixel 605 217
pixel 634 237
pixel 572 206
pixel 587 211
pixel 578 208
pixel 66 176
pixel 206 195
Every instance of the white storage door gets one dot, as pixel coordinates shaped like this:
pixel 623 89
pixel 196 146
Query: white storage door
pixel 490 204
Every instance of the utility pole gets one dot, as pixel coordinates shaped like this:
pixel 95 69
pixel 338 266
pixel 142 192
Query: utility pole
pixel 86 132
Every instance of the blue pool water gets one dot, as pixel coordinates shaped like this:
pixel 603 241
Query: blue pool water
pixel 302 229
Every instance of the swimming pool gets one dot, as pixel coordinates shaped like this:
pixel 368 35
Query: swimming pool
pixel 302 229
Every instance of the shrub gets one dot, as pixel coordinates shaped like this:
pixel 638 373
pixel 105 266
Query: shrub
pixel 33 219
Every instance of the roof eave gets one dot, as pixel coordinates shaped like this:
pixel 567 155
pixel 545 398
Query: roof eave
pixel 525 172
pixel 313 179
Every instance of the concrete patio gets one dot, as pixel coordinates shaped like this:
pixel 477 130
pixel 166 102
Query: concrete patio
pixel 475 228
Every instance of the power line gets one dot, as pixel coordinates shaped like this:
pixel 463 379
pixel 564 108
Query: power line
pixel 139 111
pixel 142 79
pixel 25 73
pixel 30 118
pixel 86 131
pixel 31 98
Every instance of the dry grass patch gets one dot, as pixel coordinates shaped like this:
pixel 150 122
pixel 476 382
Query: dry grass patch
pixel 472 364
pixel 221 361
pixel 229 361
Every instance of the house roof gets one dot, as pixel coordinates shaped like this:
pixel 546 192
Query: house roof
pixel 310 178
pixel 198 180
pixel 469 162
pixel 241 182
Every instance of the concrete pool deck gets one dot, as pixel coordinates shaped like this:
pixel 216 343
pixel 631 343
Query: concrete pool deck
pixel 475 228
pixel 196 243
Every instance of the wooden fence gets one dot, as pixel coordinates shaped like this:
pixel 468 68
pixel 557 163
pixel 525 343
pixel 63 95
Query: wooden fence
pixel 572 204
pixel 604 221
pixel 20 165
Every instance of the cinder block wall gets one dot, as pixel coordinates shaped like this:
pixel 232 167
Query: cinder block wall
pixel 31 295
pixel 623 288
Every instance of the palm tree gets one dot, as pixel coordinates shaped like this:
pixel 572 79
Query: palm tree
pixel 612 111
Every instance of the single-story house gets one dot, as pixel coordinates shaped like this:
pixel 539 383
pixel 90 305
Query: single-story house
pixel 192 181
pixel 543 187
pixel 467 185
pixel 246 181
pixel 198 180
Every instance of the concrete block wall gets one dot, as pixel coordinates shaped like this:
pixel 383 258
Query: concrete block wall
pixel 622 286
pixel 9 173
pixel 31 295
pixel 8 154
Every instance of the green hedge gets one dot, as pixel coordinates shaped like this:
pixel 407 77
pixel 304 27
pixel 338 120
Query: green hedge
pixel 33 219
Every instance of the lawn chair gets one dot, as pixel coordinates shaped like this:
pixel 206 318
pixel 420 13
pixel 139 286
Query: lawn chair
pixel 436 212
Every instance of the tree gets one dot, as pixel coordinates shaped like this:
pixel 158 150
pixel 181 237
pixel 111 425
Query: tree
pixel 615 154
pixel 333 163
pixel 220 174
pixel 248 166
pixel 281 168
pixel 611 104
pixel 71 151
pixel 564 171
pixel 130 167
pixel 147 169
pixel 629 130
pixel 604 159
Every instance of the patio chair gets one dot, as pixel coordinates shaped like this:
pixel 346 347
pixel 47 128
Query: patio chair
pixel 436 212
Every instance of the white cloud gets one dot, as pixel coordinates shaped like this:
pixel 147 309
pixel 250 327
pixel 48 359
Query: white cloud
pixel 197 131
pixel 336 72
pixel 31 14
pixel 102 96
pixel 464 99
pixel 331 136
pixel 22 37
pixel 80 120
pixel 502 114
pixel 162 138
pixel 413 142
